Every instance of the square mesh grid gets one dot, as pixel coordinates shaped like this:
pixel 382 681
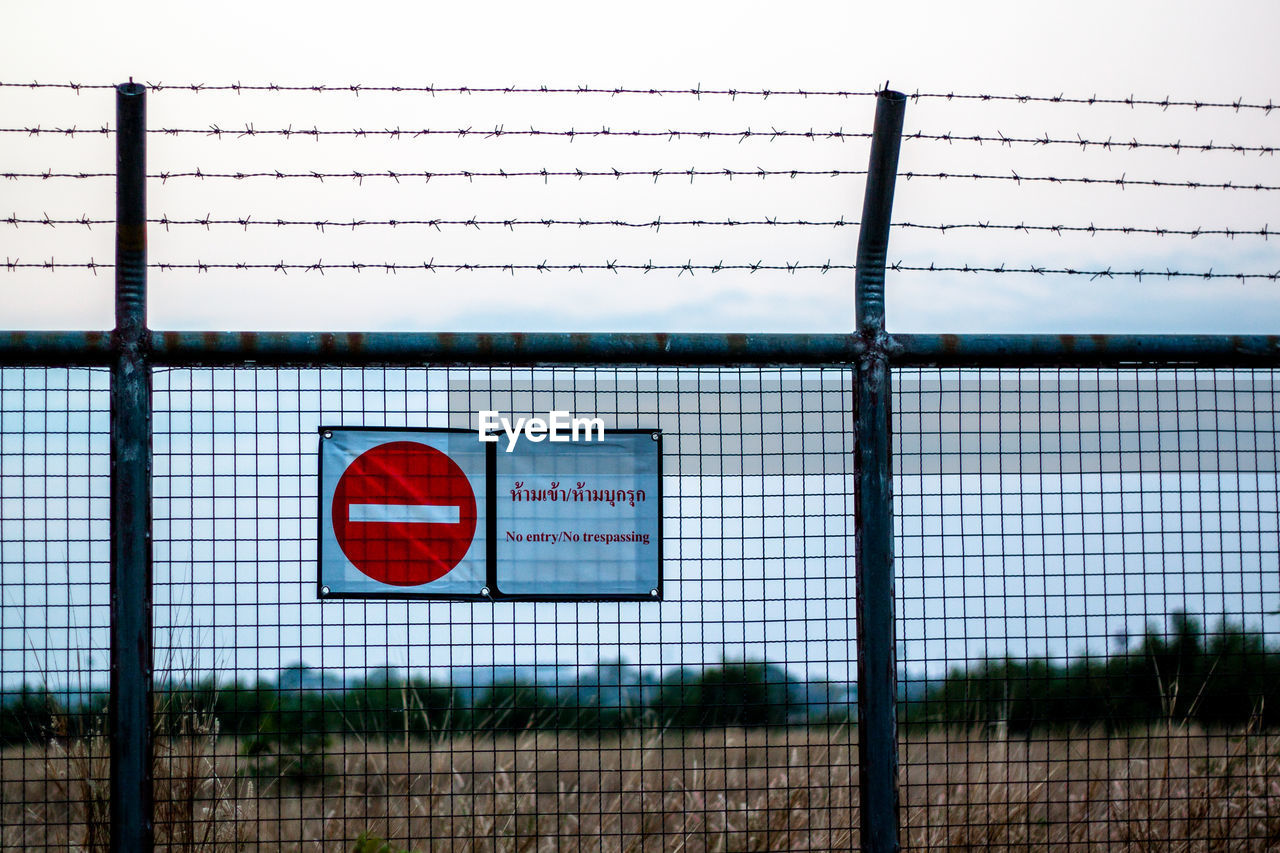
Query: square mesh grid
pixel 1087 601
pixel 714 719
pixel 54 606
pixel 1088 594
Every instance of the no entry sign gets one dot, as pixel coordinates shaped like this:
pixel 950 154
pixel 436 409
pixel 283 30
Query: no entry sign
pixel 401 511
pixel 443 514
pixel 404 513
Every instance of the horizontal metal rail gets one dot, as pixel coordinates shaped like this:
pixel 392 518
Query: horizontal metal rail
pixel 355 349
pixel 1085 350
pixel 56 348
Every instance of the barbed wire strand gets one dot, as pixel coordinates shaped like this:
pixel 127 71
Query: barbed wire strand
pixel 497 132
pixel 13 264
pixel 198 174
pixel 246 222
pixel 698 91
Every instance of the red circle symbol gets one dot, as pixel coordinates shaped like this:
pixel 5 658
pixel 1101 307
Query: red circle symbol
pixel 404 513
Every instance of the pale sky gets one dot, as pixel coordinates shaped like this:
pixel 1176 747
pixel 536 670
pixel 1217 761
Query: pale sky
pixel 1149 50
pixel 1145 49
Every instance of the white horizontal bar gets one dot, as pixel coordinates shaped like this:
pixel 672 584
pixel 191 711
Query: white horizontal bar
pixel 411 513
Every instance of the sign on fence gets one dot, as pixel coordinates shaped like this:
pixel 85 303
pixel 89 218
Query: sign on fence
pixel 400 511
pixel 444 513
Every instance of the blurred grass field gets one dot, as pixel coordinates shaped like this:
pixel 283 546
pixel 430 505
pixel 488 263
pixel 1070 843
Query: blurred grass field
pixel 1175 788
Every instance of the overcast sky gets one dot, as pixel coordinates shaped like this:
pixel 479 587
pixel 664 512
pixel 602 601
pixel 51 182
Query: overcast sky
pixel 1148 50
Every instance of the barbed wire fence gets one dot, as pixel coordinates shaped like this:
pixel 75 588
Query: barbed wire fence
pixel 747 135
pixel 1033 518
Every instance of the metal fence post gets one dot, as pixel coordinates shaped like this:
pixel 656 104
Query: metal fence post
pixel 877 661
pixel 129 709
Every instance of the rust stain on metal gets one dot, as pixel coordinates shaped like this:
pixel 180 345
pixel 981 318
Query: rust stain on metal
pixel 950 343
pixel 170 340
pixel 1068 342
pixel 1100 342
pixel 1241 343
pixel 736 342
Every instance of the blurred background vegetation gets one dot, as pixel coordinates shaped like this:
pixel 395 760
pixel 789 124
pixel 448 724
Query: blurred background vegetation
pixel 1226 676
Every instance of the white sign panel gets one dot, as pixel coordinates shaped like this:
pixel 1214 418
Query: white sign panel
pixel 445 514
pixel 581 519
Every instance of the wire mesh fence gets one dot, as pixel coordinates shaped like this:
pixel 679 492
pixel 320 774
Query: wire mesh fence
pixel 1088 596
pixel 1087 611
pixel 716 717
pixel 54 483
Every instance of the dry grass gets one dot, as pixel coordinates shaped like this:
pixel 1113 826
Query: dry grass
pixel 724 791
pixel 57 796
pixel 1171 789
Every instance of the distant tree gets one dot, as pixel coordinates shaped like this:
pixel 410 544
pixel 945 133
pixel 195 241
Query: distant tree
pixel 1241 680
pixel 610 696
pixel 515 705
pixel 388 704
pixel 731 694
pixel 1178 675
pixel 290 737
pixel 30 715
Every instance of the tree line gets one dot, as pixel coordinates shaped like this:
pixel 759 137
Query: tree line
pixel 302 702
pixel 1223 677
pixel 1226 676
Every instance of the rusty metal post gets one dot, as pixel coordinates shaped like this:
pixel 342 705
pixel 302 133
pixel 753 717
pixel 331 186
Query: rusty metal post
pixel 129 709
pixel 877 661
